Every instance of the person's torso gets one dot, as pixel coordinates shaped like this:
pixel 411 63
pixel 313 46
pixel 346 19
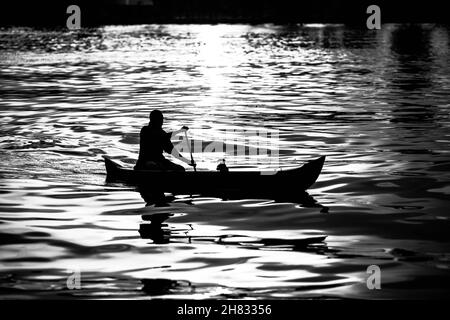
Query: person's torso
pixel 152 142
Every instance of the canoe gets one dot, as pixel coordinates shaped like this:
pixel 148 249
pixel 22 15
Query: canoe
pixel 297 179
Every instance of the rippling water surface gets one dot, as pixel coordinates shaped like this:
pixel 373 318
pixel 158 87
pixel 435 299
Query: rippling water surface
pixel 376 103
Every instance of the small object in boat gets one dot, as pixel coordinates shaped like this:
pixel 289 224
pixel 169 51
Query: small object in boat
pixel 222 167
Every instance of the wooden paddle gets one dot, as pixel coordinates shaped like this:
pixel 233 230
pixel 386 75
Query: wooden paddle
pixel 190 151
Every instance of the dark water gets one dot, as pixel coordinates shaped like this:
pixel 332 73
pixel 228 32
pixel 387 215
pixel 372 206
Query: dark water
pixel 376 103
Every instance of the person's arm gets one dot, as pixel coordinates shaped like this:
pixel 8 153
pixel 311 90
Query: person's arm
pixel 176 132
pixel 169 148
pixel 177 155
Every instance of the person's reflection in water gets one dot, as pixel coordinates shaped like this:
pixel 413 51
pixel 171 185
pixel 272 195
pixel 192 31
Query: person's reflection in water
pixel 153 141
pixel 153 196
pixel 156 230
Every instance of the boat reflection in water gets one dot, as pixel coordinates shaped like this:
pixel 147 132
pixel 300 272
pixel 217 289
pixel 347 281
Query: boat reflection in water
pixel 155 228
pixel 158 198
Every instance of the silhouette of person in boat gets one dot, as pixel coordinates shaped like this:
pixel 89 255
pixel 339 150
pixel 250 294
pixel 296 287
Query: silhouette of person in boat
pixel 153 141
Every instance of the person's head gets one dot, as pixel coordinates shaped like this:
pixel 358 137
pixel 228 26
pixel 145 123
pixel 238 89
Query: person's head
pixel 156 118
